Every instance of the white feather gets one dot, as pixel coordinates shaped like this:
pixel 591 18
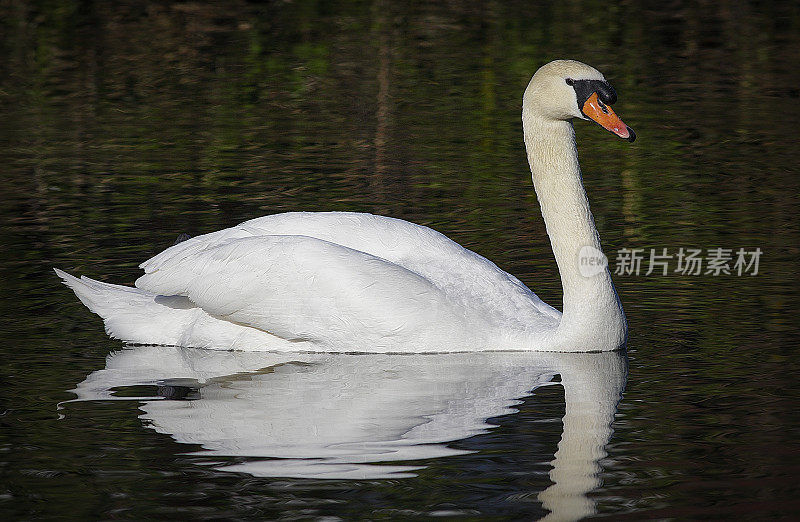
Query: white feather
pixel 335 281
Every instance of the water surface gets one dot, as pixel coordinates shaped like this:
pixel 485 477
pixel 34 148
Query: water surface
pixel 127 124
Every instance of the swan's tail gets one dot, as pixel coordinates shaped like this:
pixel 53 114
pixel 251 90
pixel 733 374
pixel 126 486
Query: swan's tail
pixel 132 314
pixel 137 316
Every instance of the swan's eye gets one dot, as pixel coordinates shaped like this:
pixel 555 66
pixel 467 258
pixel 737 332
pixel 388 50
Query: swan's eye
pixel 570 81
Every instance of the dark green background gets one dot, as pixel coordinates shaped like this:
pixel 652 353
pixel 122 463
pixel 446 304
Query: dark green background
pixel 124 124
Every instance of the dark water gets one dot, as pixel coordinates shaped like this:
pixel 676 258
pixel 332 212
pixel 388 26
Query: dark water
pixel 125 124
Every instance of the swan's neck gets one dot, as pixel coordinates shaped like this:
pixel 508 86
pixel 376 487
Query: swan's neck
pixel 592 314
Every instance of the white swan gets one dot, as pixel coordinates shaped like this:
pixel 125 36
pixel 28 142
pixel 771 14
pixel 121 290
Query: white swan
pixel 362 283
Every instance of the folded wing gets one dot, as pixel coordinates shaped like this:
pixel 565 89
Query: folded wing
pixel 301 288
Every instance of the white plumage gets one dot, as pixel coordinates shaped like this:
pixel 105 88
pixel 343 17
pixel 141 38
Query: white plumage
pixel 331 281
pixel 335 281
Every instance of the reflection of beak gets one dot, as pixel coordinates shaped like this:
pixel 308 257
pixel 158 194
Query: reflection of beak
pixel 604 115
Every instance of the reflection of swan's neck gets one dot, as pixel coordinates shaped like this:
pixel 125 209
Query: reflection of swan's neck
pixel 592 312
pixel 592 389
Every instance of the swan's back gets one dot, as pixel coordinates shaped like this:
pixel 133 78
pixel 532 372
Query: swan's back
pixel 473 289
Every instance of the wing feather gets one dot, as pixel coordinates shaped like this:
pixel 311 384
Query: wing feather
pixel 468 280
pixel 303 288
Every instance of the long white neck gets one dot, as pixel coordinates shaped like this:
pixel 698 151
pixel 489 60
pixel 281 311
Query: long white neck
pixel 592 314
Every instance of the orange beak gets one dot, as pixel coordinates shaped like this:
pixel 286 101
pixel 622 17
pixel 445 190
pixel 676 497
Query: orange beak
pixel 604 115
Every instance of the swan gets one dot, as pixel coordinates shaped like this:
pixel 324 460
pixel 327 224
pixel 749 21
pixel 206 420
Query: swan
pixel 353 282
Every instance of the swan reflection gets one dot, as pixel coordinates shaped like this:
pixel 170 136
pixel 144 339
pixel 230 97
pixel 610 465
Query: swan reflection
pixel 339 415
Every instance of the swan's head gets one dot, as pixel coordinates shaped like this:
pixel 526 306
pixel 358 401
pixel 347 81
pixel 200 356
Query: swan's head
pixel 566 89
